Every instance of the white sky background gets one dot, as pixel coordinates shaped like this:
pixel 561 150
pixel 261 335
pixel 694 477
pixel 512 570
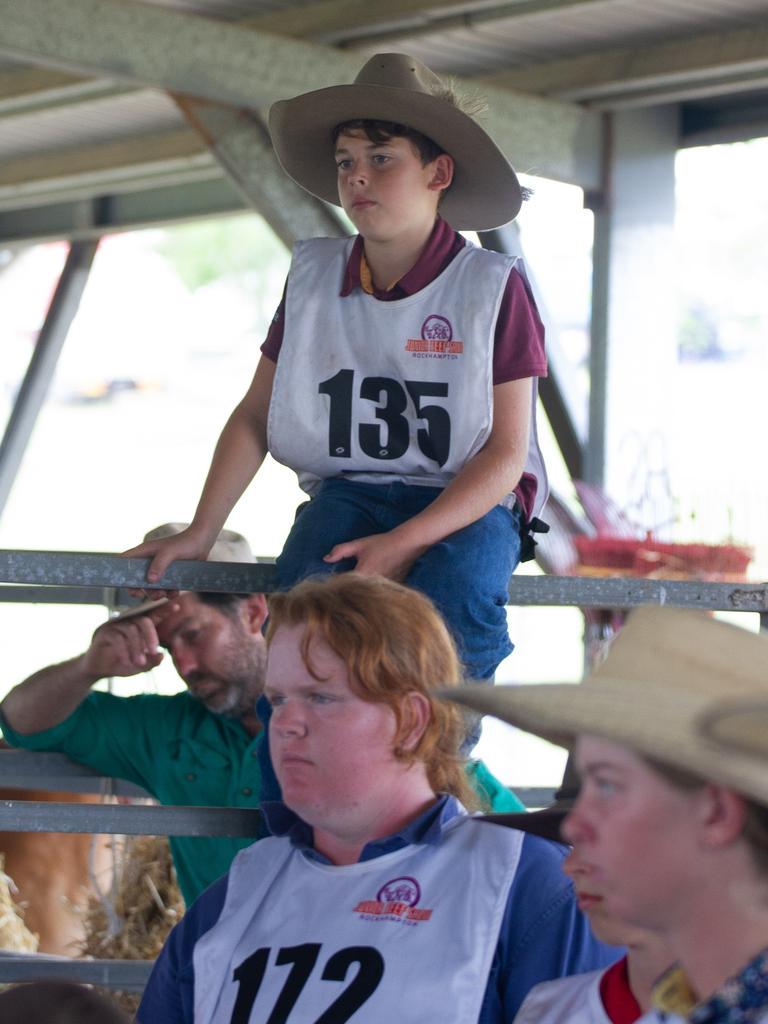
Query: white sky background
pixel 99 473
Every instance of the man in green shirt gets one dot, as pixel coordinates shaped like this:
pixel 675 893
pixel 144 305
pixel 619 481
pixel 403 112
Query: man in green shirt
pixel 198 747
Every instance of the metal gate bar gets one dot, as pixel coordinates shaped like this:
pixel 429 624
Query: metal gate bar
pixel 109 570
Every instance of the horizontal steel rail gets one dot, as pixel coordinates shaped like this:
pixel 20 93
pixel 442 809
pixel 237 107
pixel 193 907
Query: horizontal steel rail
pixel 74 568
pixel 30 769
pixel 129 975
pixel 68 569
pixel 33 770
pixel 534 796
pixel 625 592
pixel 128 819
pixel 56 595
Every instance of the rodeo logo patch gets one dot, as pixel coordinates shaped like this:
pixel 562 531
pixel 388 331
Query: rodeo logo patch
pixel 436 341
pixel 396 900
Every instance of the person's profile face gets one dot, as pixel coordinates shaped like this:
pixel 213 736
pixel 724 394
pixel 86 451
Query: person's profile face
pixel 590 900
pixel 634 837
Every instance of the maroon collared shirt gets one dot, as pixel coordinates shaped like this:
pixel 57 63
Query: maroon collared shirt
pixel 519 341
pixel 518 350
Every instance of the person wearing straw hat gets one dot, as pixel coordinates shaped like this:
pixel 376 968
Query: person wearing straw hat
pixel 377 898
pixel 618 994
pixel 196 747
pixel 672 814
pixel 398 378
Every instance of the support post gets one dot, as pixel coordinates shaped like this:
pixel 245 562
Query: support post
pixel 558 390
pixel 42 365
pixel 634 319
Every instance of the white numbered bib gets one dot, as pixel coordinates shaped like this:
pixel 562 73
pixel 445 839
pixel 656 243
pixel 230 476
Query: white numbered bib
pixel 406 937
pixel 381 391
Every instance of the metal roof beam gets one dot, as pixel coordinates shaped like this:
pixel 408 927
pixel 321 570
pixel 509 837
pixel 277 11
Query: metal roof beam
pixel 716 61
pixel 239 67
pixel 103 166
pixel 240 142
pixel 24 90
pixel 358 21
pixel 709 124
pixel 75 217
pixel 326 21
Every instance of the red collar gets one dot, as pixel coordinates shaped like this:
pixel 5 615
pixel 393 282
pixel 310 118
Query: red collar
pixel 616 995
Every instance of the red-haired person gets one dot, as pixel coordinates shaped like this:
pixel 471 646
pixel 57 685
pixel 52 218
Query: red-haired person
pixel 377 897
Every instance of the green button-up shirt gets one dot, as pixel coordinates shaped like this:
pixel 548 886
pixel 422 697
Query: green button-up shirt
pixel 183 754
pixel 176 750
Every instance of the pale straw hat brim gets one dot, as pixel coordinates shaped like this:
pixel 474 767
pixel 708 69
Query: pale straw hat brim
pixel 651 720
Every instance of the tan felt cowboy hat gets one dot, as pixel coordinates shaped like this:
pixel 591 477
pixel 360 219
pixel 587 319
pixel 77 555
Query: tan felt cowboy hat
pixel 660 691
pixel 229 547
pixel 485 192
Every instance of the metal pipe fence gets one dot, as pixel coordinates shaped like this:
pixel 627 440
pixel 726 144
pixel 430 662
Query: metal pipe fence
pixel 102 579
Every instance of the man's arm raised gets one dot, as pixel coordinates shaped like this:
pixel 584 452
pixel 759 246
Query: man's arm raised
pixel 122 647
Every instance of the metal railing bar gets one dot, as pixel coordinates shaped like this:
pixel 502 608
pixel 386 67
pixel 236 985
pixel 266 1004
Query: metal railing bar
pixel 29 769
pixel 130 975
pixel 622 592
pixel 51 595
pixel 535 796
pixel 108 570
pixel 129 819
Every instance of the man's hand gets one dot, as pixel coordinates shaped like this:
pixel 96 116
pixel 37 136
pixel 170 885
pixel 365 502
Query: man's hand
pixel 189 544
pixel 124 647
pixel 382 554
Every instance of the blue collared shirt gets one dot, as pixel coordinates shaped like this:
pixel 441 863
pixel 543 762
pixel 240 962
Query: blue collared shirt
pixel 426 829
pixel 543 934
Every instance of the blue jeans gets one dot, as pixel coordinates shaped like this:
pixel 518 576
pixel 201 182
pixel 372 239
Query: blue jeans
pixel 466 575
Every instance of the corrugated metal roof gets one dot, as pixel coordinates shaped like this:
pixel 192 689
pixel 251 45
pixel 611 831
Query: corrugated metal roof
pixel 484 46
pixel 126 116
pixel 59 114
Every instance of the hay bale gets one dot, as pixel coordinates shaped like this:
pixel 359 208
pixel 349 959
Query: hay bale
pixel 14 934
pixel 132 922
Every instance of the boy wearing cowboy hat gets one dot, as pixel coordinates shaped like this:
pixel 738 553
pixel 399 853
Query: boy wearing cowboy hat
pixel 399 376
pixel 672 815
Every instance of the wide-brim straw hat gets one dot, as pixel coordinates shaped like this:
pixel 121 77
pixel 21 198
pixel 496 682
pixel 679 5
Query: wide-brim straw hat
pixel 739 723
pixel 484 193
pixel 229 546
pixel 668 677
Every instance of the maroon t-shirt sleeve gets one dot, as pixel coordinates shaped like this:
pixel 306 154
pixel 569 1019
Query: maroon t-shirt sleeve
pixel 274 339
pixel 519 341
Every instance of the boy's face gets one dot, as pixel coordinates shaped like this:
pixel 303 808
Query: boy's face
pixel 385 190
pixel 636 837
